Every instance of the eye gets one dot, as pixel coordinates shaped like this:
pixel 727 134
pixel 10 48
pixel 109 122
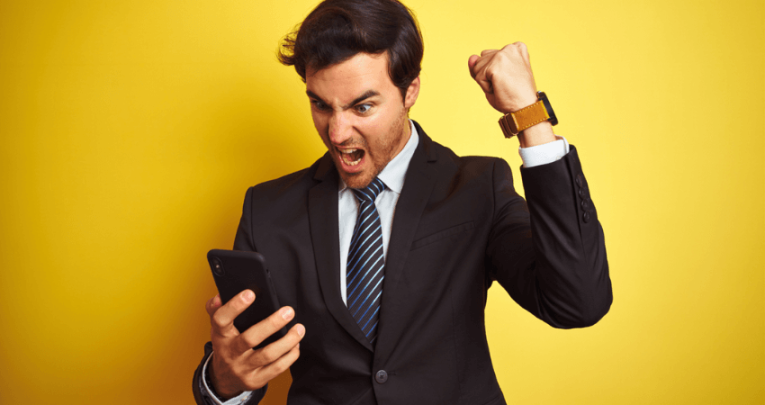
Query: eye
pixel 319 105
pixel 363 108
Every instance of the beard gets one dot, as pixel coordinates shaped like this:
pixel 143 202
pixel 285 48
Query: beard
pixel 384 149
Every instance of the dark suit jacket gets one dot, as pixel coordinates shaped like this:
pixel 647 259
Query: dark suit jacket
pixel 459 225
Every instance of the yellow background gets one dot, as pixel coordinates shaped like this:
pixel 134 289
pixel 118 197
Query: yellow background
pixel 131 130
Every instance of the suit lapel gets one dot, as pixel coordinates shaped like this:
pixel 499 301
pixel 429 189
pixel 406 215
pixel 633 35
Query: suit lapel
pixel 322 214
pixel 420 179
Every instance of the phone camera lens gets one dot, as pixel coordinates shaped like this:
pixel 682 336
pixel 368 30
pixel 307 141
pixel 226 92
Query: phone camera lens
pixel 218 267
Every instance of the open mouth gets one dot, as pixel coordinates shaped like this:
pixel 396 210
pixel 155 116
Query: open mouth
pixel 351 157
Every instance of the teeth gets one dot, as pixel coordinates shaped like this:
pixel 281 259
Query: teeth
pixel 345 157
pixel 347 151
pixel 349 163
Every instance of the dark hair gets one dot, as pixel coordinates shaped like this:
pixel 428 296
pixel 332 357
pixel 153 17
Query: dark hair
pixel 336 30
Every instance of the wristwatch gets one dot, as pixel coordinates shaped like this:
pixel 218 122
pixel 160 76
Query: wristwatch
pixel 513 123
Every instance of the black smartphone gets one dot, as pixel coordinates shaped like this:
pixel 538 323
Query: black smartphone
pixel 235 271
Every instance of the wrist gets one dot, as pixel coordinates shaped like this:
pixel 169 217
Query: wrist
pixel 214 385
pixel 520 103
pixel 537 135
pixel 536 119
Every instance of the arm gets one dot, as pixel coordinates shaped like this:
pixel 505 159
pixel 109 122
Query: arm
pixel 203 395
pixel 551 256
pixel 236 369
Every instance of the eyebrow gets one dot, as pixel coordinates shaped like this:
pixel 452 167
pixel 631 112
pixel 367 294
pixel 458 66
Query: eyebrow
pixel 367 94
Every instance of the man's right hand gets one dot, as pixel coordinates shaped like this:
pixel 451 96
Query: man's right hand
pixel 235 366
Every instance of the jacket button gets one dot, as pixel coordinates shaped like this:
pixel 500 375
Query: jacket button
pixel 586 216
pixel 580 180
pixel 585 205
pixel 381 377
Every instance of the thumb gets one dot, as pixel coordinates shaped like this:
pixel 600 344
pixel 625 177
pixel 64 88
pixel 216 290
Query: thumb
pixel 471 63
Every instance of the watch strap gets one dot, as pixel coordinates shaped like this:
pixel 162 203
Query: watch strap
pixel 515 122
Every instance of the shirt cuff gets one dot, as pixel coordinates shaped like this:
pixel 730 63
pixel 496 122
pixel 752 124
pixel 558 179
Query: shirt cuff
pixel 545 153
pixel 239 399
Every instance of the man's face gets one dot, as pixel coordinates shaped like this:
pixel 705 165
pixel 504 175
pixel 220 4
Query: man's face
pixel 360 115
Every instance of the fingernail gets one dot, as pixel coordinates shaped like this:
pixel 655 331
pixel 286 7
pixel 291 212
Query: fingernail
pixel 300 330
pixel 248 296
pixel 286 313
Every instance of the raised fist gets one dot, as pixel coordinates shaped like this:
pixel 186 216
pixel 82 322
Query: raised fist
pixel 505 76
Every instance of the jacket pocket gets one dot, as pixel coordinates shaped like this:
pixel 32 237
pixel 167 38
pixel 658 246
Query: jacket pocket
pixel 453 231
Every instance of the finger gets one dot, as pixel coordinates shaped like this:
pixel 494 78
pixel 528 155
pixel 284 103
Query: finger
pixel 486 85
pixel 265 328
pixel 222 320
pixel 275 350
pixel 269 372
pixel 471 62
pixel 212 304
pixel 524 50
pixel 474 64
pixel 488 52
pixel 480 75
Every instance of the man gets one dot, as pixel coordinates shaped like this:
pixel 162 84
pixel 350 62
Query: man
pixel 383 250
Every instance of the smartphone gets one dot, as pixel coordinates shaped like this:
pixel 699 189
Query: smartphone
pixel 235 271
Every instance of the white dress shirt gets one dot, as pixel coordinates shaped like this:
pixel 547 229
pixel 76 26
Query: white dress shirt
pixel 348 205
pixel 393 176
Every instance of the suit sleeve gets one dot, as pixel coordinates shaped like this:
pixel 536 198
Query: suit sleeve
pixel 242 241
pixel 550 254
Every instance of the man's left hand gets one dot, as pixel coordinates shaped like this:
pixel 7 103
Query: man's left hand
pixel 505 76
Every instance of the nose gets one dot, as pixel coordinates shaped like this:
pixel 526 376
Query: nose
pixel 340 128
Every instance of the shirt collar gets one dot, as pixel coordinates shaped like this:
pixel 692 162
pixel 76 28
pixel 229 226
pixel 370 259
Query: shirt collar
pixel 395 171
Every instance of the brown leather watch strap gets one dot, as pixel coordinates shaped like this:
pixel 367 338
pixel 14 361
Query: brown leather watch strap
pixel 515 122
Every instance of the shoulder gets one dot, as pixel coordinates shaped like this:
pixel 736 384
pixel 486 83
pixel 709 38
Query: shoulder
pixel 447 160
pixel 288 191
pixel 467 166
pixel 296 181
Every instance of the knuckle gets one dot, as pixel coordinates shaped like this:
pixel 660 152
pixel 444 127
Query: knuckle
pixel 276 320
pixel 209 306
pixel 291 340
pixel 218 319
pixel 291 357
pixel 236 304
pixel 282 366
pixel 248 341
pixel 269 356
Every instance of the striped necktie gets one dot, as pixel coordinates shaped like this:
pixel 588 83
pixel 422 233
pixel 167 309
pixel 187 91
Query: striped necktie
pixel 364 269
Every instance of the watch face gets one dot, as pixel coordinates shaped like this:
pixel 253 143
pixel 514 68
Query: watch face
pixel 553 119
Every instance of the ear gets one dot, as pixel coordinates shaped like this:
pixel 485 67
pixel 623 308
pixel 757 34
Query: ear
pixel 412 92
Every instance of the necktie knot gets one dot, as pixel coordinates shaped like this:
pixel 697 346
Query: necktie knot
pixel 370 192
